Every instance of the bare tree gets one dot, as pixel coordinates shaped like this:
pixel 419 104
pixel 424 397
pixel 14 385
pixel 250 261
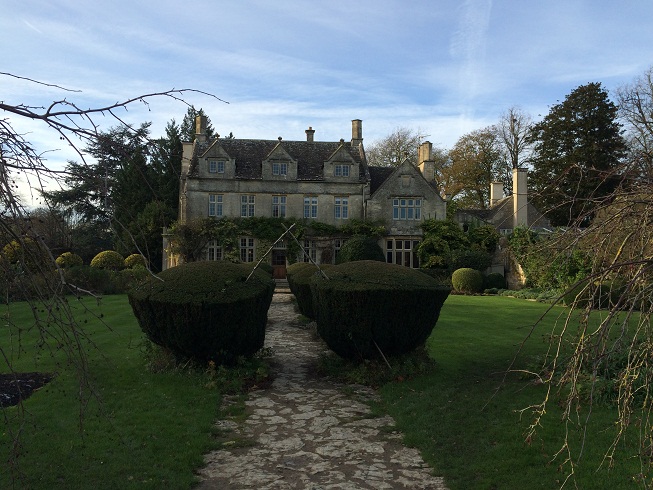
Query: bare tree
pixel 27 262
pixel 513 130
pixel 601 348
pixel 635 103
pixel 392 150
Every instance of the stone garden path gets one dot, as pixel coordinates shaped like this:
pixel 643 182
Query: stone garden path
pixel 305 432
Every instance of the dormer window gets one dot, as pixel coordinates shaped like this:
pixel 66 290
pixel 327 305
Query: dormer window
pixel 341 171
pixel 279 168
pixel 216 166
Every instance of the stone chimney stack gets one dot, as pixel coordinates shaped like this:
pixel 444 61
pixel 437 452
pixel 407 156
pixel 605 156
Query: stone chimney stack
pixel 425 161
pixel 200 128
pixel 496 192
pixel 520 196
pixel 356 132
pixel 310 132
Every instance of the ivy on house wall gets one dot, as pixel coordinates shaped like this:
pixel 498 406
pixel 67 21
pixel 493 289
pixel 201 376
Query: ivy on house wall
pixel 189 240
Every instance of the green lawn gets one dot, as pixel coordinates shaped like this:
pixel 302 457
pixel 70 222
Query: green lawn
pixel 138 430
pixel 465 420
pixel 146 430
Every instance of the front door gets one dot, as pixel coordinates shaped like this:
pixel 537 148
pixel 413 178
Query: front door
pixel 279 264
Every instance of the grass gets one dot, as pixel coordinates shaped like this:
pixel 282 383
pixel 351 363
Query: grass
pixel 145 429
pixel 464 416
pixel 139 429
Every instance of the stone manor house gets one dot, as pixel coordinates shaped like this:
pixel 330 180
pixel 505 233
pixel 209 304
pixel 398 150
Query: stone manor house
pixel 329 182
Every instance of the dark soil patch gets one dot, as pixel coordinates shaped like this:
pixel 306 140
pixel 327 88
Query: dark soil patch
pixel 15 387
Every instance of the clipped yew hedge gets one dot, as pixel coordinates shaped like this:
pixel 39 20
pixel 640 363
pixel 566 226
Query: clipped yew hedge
pixel 299 276
pixel 365 304
pixel 205 311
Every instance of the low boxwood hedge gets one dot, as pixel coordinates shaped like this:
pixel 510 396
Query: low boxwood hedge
pixel 367 306
pixel 206 311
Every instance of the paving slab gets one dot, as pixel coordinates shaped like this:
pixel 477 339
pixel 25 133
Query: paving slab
pixel 309 432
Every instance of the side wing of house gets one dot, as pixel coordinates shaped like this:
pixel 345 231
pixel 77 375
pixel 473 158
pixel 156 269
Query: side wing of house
pixel 403 201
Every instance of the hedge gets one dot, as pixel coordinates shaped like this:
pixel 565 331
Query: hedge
pixel 205 311
pixel 367 307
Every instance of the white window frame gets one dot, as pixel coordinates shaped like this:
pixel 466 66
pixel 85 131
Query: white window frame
pixel 342 170
pixel 402 251
pixel 279 206
pixel 247 249
pixel 247 205
pixel 310 207
pixel 215 204
pixel 407 208
pixel 213 251
pixel 310 247
pixel 341 207
pixel 216 166
pixel 280 168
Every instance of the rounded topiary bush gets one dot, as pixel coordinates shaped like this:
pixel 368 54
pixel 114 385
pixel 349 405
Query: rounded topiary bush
pixel 206 311
pixel 135 260
pixel 299 280
pixel 109 259
pixel 360 247
pixel 367 306
pixel 467 280
pixel 494 280
pixel 69 259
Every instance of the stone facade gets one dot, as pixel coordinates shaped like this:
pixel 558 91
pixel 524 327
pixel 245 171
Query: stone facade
pixel 329 182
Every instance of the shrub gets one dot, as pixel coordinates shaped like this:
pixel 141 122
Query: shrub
pixel 109 259
pixel 367 306
pixel 469 259
pixel 485 237
pixel 26 253
pixel 69 259
pixel 100 281
pixel 360 247
pixel 130 278
pixel 467 280
pixel 299 279
pixel 494 280
pixel 441 275
pixel 205 311
pixel 135 260
pixel 601 294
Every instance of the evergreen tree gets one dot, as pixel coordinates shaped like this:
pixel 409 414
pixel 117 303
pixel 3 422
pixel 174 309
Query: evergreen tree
pixel 577 152
pixel 187 128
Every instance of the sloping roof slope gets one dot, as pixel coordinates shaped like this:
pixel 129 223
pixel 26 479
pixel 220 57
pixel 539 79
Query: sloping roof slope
pixel 309 155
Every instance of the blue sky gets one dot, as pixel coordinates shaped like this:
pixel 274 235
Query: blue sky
pixel 442 67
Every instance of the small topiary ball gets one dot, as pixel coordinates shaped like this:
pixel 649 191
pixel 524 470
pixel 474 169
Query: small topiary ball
pixel 69 259
pixel 467 280
pixel 109 259
pixel 135 260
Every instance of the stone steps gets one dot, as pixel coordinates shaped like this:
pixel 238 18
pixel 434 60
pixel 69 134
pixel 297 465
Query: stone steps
pixel 282 286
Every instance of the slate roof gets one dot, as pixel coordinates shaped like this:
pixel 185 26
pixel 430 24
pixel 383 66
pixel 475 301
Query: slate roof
pixel 378 175
pixel 309 155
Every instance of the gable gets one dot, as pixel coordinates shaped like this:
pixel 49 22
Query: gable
pixel 279 153
pixel 405 180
